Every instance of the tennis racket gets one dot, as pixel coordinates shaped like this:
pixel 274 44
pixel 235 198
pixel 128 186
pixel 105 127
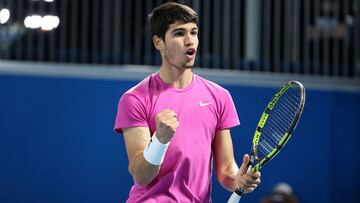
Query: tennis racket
pixel 275 127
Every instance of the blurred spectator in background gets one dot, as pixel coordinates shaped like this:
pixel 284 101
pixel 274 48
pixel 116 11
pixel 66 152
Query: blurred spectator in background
pixel 281 193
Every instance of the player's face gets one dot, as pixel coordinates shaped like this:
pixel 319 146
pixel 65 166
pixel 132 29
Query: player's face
pixel 180 45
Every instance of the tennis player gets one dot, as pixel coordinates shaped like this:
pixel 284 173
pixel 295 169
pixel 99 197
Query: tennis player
pixel 175 123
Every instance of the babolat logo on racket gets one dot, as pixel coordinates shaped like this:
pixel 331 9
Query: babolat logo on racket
pixel 277 95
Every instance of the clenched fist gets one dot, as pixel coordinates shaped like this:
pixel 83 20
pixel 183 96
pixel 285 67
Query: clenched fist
pixel 166 125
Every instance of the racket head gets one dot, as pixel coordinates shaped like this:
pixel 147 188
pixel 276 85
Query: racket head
pixel 277 123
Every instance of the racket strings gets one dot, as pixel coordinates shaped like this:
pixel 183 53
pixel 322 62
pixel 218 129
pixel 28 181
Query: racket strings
pixel 279 121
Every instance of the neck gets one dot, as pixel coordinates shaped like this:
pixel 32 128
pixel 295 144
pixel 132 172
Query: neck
pixel 176 77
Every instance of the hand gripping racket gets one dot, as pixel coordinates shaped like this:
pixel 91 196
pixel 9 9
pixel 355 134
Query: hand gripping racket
pixel 275 127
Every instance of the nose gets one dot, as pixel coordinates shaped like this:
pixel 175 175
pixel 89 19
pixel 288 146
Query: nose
pixel 189 39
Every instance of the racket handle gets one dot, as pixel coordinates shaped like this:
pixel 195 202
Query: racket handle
pixel 234 198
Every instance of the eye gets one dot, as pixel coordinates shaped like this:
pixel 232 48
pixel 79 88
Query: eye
pixel 179 34
pixel 194 32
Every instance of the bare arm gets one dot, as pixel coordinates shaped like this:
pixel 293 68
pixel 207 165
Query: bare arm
pixel 136 139
pixel 227 172
pixel 225 165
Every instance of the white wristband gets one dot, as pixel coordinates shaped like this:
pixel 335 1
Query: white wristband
pixel 154 153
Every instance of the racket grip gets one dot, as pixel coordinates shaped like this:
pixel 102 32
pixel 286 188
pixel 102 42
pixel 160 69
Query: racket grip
pixel 236 195
pixel 234 198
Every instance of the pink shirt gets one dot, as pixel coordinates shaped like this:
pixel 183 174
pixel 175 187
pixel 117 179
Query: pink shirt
pixel 202 108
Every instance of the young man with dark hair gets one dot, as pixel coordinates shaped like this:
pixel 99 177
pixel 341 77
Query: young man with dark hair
pixel 175 123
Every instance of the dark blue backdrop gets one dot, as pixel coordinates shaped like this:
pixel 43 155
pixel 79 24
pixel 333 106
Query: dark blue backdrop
pixel 57 143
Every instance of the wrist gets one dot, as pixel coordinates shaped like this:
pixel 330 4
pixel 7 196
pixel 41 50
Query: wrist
pixel 155 151
pixel 160 139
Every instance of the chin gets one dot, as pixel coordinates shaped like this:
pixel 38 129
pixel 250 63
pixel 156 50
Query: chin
pixel 188 65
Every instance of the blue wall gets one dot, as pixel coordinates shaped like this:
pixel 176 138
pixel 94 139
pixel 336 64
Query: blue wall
pixel 57 143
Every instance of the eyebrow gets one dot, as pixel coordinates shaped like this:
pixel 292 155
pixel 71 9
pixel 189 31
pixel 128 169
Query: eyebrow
pixel 183 29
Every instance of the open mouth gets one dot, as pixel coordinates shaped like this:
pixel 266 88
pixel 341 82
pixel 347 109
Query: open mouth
pixel 190 52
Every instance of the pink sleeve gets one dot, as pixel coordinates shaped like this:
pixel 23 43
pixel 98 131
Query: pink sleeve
pixel 228 115
pixel 131 113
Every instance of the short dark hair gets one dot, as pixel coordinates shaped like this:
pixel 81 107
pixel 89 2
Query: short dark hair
pixel 168 13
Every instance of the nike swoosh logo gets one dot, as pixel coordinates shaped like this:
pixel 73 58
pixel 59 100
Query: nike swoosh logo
pixel 204 104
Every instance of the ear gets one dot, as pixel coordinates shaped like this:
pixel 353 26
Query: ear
pixel 157 42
